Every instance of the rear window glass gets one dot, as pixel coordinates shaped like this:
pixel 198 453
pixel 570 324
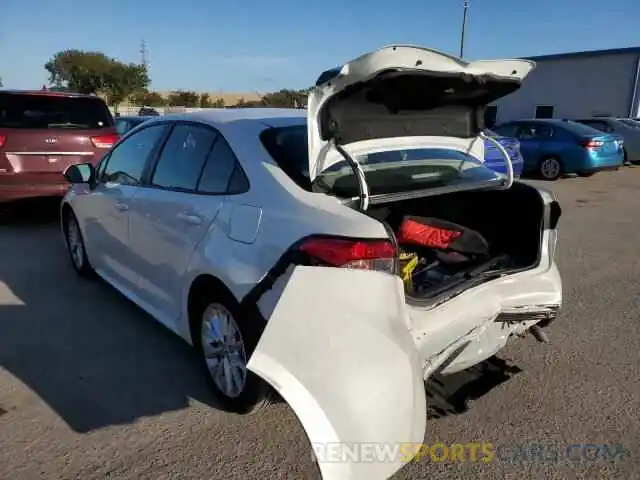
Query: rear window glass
pixel 581 129
pixel 36 111
pixel 392 171
pixel 630 123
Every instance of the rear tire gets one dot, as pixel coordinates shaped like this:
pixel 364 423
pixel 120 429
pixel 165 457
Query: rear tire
pixel 76 246
pixel 225 338
pixel 550 168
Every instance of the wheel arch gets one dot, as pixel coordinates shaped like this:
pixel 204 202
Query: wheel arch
pixel 202 284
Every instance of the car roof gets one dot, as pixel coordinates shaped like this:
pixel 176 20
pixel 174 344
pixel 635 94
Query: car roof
pixel 136 117
pixel 50 93
pixel 222 116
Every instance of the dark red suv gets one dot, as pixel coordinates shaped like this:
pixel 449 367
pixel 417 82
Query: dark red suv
pixel 42 133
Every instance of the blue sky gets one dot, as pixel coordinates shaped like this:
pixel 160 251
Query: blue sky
pixel 253 45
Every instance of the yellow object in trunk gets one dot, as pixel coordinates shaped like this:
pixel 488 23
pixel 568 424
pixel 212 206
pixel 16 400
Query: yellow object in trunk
pixel 408 262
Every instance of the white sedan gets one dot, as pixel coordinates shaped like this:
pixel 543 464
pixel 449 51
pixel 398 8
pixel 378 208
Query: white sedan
pixel 338 255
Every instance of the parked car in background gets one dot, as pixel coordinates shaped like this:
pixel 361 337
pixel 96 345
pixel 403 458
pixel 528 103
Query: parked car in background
pixel 553 147
pixel 227 227
pixel 128 122
pixel 148 112
pixel 42 133
pixel 627 128
pixel 494 158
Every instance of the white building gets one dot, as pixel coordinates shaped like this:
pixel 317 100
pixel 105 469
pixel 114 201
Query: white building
pixel 580 84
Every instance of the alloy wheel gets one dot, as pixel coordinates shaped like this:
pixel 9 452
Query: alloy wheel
pixel 550 168
pixel 74 243
pixel 224 350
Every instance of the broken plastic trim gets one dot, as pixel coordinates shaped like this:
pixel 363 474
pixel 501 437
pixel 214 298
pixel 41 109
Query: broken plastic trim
pixel 292 257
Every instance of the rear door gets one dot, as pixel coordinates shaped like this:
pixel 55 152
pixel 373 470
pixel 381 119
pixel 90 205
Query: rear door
pixel 45 132
pixel 173 213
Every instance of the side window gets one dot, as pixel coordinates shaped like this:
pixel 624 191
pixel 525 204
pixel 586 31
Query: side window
pixel 543 132
pixel 122 126
pixel 222 172
pixel 183 157
pixel 127 160
pixel 526 132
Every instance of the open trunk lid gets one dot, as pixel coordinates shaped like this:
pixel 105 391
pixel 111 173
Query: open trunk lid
pixel 405 97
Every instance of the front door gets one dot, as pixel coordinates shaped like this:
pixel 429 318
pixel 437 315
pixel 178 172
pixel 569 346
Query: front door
pixel 107 212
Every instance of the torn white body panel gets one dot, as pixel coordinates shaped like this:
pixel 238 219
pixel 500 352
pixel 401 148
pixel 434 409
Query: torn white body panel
pixel 347 367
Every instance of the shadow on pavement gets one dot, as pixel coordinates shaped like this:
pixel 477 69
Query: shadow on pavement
pixel 86 351
pixel 98 360
pixel 451 394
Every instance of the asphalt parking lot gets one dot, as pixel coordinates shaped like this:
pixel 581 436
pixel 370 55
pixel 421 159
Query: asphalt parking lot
pixel 90 387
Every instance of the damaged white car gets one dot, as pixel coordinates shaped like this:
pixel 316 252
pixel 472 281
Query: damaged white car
pixel 339 255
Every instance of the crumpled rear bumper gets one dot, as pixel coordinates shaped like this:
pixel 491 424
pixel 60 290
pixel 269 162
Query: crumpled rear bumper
pixel 478 323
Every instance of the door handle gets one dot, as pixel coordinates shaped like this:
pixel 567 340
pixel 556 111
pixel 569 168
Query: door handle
pixel 122 207
pixel 190 219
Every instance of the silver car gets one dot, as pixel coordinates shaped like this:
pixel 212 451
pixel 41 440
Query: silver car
pixel 628 128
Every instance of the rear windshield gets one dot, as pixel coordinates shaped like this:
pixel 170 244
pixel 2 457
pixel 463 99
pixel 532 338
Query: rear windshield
pixel 581 129
pixel 37 111
pixel 630 123
pixel 392 171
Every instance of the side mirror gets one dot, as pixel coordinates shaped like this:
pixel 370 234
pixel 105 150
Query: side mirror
pixel 80 173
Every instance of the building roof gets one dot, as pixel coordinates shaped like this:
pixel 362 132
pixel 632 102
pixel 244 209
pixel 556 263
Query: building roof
pixel 584 54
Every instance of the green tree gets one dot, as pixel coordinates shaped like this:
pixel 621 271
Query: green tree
pixel 0 81
pixel 204 101
pixel 123 81
pixel 149 99
pixel 218 103
pixel 181 98
pixel 286 99
pixel 94 72
pixel 79 71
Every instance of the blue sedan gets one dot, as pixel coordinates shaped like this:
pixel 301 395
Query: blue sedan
pixel 553 147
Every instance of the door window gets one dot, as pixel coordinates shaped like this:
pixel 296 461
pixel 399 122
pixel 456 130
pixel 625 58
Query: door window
pixel 183 156
pixel 126 162
pixel 223 173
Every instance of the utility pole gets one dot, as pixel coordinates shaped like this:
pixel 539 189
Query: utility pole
pixel 465 7
pixel 144 57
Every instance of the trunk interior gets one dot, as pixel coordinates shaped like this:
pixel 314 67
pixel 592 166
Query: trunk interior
pixel 509 224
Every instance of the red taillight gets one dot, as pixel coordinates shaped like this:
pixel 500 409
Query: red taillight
pixel 104 141
pixel 2 140
pixel 592 143
pixel 345 253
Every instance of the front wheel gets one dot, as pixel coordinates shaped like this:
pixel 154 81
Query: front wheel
pixel 225 343
pixel 76 246
pixel 550 168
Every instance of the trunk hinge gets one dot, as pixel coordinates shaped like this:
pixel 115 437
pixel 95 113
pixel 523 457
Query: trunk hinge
pixel 363 188
pixel 507 158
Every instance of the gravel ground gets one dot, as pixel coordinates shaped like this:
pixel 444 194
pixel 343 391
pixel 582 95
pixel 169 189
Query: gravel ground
pixel 90 387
